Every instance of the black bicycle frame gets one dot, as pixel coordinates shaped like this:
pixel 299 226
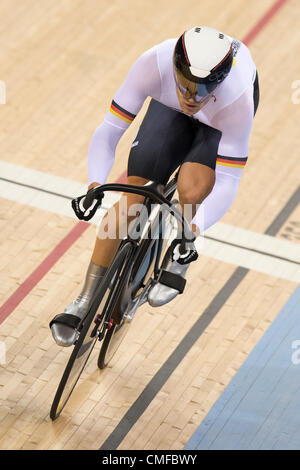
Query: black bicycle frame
pixel 152 192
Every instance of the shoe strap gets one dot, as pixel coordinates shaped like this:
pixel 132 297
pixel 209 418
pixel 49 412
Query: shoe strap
pixel 66 319
pixel 172 280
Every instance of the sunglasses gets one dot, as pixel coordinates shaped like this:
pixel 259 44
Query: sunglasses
pixel 202 90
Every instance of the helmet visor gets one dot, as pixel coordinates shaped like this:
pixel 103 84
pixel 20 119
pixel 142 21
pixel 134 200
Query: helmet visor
pixel 190 89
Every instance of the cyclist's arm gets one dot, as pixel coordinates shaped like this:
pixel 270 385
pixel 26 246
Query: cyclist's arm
pixel 143 80
pixel 235 122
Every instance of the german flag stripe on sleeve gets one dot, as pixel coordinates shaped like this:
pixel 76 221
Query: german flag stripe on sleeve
pixel 232 161
pixel 121 113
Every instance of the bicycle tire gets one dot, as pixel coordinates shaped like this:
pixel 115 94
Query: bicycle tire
pixel 62 395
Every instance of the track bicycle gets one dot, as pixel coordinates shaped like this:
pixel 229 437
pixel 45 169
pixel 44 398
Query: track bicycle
pixel 125 285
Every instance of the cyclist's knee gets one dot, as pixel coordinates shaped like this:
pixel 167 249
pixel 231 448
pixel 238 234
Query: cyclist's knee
pixel 137 180
pixel 194 194
pixel 195 182
pixel 133 199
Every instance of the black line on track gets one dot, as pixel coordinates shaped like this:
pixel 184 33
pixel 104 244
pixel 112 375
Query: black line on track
pixel 253 250
pixel 162 375
pixel 36 188
pixel 284 214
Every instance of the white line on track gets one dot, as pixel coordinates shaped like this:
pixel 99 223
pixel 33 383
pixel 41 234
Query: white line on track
pixel 27 186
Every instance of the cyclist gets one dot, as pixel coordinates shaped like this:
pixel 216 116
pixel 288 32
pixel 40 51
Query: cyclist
pixel 204 95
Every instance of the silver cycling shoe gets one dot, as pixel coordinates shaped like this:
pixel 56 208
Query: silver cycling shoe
pixel 174 268
pixel 66 335
pixel 64 326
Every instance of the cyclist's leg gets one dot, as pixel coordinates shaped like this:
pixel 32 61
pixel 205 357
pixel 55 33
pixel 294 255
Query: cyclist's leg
pixel 105 248
pixel 217 203
pixel 196 180
pixel 204 208
pixel 63 326
pixel 203 182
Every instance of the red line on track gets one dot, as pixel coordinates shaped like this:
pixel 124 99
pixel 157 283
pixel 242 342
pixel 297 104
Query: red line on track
pixel 25 288
pixel 263 21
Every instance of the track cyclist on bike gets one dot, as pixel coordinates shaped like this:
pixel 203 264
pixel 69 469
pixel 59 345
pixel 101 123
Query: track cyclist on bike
pixel 205 92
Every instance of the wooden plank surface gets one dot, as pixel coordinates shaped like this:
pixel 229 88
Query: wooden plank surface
pixel 62 63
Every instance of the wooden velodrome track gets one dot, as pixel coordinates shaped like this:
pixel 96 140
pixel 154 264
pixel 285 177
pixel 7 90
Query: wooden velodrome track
pixel 62 63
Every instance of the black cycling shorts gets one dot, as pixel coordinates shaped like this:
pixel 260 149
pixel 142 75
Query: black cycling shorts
pixel 168 138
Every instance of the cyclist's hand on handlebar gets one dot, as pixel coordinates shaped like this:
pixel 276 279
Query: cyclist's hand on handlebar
pixel 86 206
pixel 89 199
pixel 93 185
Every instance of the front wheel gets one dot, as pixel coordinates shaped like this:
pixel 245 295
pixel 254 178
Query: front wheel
pixel 89 334
pixel 112 340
